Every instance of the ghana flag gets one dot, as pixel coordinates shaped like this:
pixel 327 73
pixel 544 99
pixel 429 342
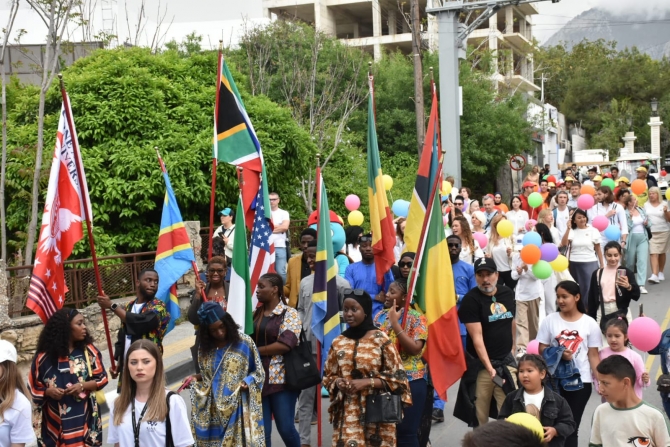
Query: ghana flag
pixel 381 222
pixel 432 282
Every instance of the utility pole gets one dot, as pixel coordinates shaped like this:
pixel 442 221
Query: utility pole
pixel 452 46
pixel 418 74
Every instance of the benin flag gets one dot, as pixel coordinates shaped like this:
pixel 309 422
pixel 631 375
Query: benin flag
pixel 425 177
pixel 434 293
pixel 239 296
pixel 381 222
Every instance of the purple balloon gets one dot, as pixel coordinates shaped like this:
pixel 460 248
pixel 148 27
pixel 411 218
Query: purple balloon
pixel 549 252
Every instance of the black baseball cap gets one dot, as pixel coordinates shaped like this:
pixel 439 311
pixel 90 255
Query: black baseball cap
pixel 485 264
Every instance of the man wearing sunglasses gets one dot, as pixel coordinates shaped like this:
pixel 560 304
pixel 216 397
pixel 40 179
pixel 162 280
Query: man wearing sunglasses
pixel 362 275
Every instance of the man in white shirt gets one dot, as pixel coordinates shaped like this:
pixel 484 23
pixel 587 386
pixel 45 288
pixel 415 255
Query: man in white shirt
pixel 281 222
pixel 227 232
pixel 561 213
pixel 592 172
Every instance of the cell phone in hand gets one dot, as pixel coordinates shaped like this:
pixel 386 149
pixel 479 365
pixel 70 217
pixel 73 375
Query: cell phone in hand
pixel 641 310
pixel 620 273
pixel 497 380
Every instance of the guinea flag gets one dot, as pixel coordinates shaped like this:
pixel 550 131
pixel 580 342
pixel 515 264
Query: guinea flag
pixel 239 297
pixel 432 282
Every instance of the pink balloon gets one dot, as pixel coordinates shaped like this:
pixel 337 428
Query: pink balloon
pixel 644 333
pixel 533 347
pixel 600 223
pixel 530 223
pixel 585 202
pixel 445 220
pixel 352 202
pixel 481 238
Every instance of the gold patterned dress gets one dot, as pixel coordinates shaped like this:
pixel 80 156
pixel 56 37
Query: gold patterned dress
pixel 374 356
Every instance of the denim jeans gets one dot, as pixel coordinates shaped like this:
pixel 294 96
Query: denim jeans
pixel 280 262
pixel 281 405
pixel 407 430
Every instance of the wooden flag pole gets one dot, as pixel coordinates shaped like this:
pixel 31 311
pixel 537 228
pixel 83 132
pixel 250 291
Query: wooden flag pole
pixel 212 198
pixel 87 214
pixel 319 428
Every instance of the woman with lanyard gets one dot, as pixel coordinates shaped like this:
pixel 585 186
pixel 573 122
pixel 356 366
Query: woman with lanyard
pixel 145 414
pixel 615 213
pixel 517 216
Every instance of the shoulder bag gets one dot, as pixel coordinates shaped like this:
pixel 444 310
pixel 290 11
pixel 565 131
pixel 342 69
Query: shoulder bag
pixel 383 407
pixel 663 383
pixel 169 442
pixel 100 397
pixel 605 318
pixel 201 396
pixel 300 366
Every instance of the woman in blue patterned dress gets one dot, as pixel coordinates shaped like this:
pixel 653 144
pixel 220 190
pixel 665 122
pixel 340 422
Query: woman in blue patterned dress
pixel 66 371
pixel 232 374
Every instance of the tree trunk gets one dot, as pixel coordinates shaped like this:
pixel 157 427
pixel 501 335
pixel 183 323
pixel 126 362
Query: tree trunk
pixel 32 228
pixel 3 168
pixel 504 183
pixel 418 74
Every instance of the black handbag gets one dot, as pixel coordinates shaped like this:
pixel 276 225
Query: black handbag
pixel 605 318
pixel 663 383
pixel 301 369
pixel 383 408
pixel 169 442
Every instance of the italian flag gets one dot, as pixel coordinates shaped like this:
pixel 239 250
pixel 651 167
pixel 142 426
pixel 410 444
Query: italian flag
pixel 239 299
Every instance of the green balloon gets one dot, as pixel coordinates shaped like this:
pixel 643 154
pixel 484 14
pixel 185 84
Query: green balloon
pixel 535 199
pixel 608 182
pixel 542 270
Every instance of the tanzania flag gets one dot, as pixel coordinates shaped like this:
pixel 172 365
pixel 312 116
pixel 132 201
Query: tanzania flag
pixel 425 177
pixel 239 297
pixel 235 140
pixel 174 254
pixel 381 222
pixel 432 280
pixel 326 310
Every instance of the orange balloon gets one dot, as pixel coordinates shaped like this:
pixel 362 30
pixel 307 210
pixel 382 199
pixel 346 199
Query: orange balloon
pixel 638 186
pixel 530 254
pixel 588 189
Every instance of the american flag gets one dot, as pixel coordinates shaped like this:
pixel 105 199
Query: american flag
pixel 262 253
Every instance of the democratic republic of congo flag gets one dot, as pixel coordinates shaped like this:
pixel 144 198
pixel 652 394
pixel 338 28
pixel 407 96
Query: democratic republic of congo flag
pixel 235 139
pixel 424 179
pixel 326 311
pixel 381 222
pixel 432 281
pixel 174 254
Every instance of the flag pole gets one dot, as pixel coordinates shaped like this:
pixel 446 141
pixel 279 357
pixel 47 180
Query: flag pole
pixel 318 343
pixel 89 226
pixel 193 264
pixel 371 81
pixel 212 198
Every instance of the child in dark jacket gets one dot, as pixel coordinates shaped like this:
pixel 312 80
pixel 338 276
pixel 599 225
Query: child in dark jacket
pixel 534 398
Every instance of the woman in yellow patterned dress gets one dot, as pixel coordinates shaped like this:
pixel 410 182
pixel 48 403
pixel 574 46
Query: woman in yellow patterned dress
pixel 361 360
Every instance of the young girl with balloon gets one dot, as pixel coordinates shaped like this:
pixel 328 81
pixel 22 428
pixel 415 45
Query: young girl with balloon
pixel 534 398
pixel 500 248
pixel 617 226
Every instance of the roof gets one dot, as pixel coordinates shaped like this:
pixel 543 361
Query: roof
pixel 638 156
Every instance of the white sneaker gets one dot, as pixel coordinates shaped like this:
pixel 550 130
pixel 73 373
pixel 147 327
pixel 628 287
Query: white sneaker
pixel 661 276
pixel 654 279
pixel 643 290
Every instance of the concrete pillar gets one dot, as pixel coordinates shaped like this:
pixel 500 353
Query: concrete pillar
pixel 432 28
pixel 357 31
pixel 391 22
pixel 655 123
pixel 324 18
pixel 509 20
pixel 629 144
pixel 376 28
pixel 493 41
pixel 522 28
pixel 193 231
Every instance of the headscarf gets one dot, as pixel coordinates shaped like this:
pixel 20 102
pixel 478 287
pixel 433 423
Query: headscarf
pixel 210 313
pixel 408 254
pixel 356 333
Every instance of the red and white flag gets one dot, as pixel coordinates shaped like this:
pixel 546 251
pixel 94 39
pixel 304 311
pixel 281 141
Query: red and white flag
pixel 61 223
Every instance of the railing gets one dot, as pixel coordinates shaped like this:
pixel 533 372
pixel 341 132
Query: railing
pixel 118 274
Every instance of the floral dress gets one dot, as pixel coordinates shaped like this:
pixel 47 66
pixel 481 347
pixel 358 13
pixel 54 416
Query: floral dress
pixel 73 420
pixel 372 356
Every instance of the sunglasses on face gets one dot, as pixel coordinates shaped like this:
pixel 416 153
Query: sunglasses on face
pixel 404 264
pixel 454 245
pixel 355 292
pixel 458 203
pixel 365 239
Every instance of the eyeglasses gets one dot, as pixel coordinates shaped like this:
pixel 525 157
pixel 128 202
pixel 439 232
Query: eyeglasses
pixel 356 292
pixel 273 200
pixel 404 264
pixel 454 245
pixel 458 203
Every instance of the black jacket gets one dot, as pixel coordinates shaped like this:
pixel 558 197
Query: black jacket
pixel 623 296
pixel 555 412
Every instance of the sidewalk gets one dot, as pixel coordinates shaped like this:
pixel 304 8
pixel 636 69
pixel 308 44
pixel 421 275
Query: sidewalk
pixel 177 360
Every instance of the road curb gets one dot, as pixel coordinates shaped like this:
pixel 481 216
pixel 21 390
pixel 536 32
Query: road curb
pixel 173 374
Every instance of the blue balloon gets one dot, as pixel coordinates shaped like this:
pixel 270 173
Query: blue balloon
pixel 400 208
pixel 337 235
pixel 532 238
pixel 612 233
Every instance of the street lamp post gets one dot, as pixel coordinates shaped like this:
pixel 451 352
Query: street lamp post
pixel 629 139
pixel 655 123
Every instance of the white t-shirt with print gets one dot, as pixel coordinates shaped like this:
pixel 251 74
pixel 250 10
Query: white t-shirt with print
pixel 622 427
pixel 534 399
pixel 278 217
pixel 578 336
pixel 562 221
pixel 152 434
pixel 582 241
pixel 17 425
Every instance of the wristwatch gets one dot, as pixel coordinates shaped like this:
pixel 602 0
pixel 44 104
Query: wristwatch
pixel 114 306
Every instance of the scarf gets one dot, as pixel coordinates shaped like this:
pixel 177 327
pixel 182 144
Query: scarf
pixel 357 332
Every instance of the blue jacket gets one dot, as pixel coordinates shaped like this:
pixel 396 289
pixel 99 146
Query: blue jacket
pixel 563 373
pixel 662 350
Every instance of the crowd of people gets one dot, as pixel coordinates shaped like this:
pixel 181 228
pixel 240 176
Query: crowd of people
pixel 534 346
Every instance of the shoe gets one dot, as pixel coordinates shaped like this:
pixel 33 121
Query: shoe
pixel 296 420
pixel 661 276
pixel 314 422
pixel 643 290
pixel 438 415
pixel 654 279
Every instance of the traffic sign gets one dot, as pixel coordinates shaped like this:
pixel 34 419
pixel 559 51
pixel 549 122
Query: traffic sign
pixel 517 162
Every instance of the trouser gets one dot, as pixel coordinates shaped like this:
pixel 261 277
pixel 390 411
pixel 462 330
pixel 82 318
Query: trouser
pixel 505 278
pixel 527 322
pixel 577 401
pixel 281 405
pixel 407 430
pixel 637 255
pixel 485 391
pixel 665 398
pixel 306 413
pixel 280 262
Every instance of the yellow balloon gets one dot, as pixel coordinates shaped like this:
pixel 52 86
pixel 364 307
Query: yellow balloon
pixel 355 218
pixel 505 228
pixel 388 182
pixel 559 264
pixel 446 188
pixel 667 193
pixel 528 421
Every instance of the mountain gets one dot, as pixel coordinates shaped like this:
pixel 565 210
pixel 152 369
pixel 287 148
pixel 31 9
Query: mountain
pixel 650 35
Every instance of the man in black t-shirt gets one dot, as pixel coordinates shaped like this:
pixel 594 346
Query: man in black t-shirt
pixel 488 314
